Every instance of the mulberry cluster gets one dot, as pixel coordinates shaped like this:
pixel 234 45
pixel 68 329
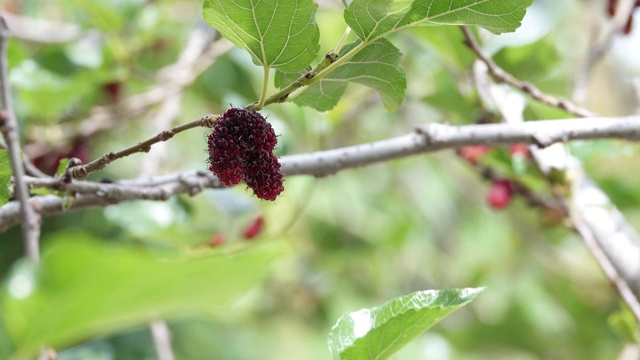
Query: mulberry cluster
pixel 241 149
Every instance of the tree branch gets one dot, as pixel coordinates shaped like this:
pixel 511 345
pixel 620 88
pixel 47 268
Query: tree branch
pixel 432 137
pixel 427 138
pixel 587 231
pixel 161 336
pixel 40 30
pixel 91 194
pixel 9 129
pixel 504 77
pixel 612 242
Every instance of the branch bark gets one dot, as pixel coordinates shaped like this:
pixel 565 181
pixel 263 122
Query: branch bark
pixel 161 335
pixel 427 138
pixel 9 129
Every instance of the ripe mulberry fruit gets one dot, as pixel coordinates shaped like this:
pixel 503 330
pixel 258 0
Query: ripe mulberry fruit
pixel 241 149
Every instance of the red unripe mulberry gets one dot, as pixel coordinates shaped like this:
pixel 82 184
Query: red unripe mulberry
pixel 500 194
pixel 241 149
pixel 254 228
pixel 217 239
pixel 473 153
pixel 519 149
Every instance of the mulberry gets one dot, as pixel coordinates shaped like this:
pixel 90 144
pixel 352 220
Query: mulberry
pixel 500 194
pixel 241 149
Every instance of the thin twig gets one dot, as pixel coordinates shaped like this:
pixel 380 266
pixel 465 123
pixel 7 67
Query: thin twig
pixel 169 111
pixel 500 75
pixel 9 128
pixel 144 146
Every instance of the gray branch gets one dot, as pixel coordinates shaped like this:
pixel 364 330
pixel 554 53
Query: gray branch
pixel 427 138
pixel 9 128
pixel 434 137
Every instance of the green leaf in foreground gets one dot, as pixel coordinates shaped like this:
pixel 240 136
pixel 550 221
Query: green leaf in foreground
pixel 376 66
pixel 372 19
pixel 5 344
pixel 83 289
pixel 5 176
pixel 279 34
pixel 378 332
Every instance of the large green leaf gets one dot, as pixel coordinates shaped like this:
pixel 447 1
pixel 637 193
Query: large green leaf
pixel 372 19
pixel 5 344
pixel 5 176
pixel 84 288
pixel 279 34
pixel 378 332
pixel 376 66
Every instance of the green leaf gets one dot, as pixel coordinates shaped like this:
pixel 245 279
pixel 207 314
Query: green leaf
pixel 376 66
pixel 378 332
pixel 5 177
pixel 624 324
pixel 86 288
pixel 62 166
pixel 279 34
pixel 5 344
pixel 103 15
pixel 372 19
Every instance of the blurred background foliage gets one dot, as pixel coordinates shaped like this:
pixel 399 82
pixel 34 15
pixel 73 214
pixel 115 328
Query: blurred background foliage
pixel 357 238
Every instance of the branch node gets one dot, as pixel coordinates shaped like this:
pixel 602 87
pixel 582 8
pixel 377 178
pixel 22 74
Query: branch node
pixel 542 140
pixel 563 104
pixel 332 56
pixel 528 87
pixel 166 135
pixel 37 205
pixel 68 174
pixel 429 132
pixel 208 120
pixel 79 172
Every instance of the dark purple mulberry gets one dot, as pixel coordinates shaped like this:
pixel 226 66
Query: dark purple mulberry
pixel 241 149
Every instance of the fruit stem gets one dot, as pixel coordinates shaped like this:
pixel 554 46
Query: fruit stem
pixel 265 86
